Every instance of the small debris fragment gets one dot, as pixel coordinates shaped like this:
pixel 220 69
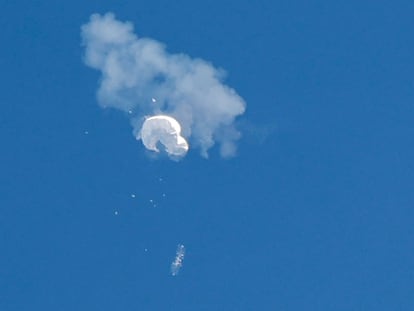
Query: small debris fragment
pixel 178 260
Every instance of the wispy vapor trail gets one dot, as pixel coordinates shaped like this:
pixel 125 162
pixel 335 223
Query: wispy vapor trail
pixel 136 70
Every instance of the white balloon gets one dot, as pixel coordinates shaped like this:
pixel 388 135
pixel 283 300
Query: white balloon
pixel 165 130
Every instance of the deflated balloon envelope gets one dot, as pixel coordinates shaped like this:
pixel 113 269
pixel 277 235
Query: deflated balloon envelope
pixel 165 130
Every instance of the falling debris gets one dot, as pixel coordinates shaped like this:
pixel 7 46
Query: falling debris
pixel 153 203
pixel 86 132
pixel 178 261
pixel 153 100
pixel 116 212
pixel 130 111
pixel 132 195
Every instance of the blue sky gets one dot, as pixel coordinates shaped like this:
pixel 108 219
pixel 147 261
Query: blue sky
pixel 314 213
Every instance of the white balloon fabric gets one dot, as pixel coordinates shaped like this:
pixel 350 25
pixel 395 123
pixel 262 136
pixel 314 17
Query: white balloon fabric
pixel 165 130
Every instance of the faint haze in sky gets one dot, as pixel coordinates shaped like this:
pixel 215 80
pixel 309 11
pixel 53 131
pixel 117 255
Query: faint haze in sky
pixel 142 79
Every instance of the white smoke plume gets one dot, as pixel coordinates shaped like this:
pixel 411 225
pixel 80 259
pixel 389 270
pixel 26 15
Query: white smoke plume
pixel 178 260
pixel 142 79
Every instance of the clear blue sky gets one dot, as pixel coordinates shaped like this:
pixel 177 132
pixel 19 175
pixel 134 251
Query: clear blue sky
pixel 316 212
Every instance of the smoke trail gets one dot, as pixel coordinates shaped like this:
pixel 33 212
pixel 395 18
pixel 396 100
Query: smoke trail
pixel 142 79
pixel 178 261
